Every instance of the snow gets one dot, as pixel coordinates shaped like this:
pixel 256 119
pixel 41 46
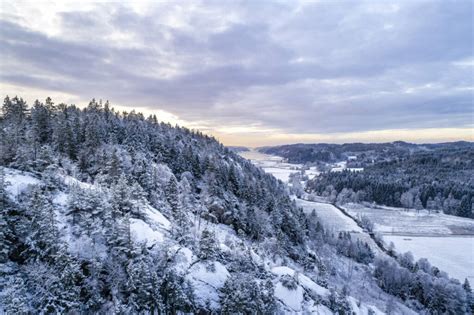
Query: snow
pixel 291 298
pixel 280 173
pixel 303 280
pixel 312 172
pixel 142 232
pixel 156 217
pixel 17 181
pixel 60 199
pixel 70 181
pixel 309 284
pixel 183 258
pixel 389 220
pixel 272 164
pixel 454 254
pixel 283 270
pixel 207 283
pixel 446 241
pixel 339 167
pixel 187 254
pixel 332 217
pixel 363 309
pixel 320 309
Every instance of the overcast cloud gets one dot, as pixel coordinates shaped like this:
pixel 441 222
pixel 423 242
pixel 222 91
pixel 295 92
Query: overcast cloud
pixel 253 68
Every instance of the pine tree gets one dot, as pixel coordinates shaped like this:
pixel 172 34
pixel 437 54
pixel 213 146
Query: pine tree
pixel 43 238
pixel 465 208
pixel 121 240
pixel 4 218
pixel 14 296
pixel 140 281
pixel 208 248
pixel 177 293
pixel 469 296
pixel 241 294
pixel 121 198
pixel 171 192
pixel 41 125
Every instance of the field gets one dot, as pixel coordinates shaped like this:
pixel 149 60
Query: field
pixel 446 241
pixel 274 165
pixel 332 217
pixel 453 254
pixel 389 220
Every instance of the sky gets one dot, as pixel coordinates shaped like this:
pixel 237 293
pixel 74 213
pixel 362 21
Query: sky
pixel 254 73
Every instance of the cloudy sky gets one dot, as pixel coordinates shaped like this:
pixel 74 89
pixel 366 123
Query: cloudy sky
pixel 254 72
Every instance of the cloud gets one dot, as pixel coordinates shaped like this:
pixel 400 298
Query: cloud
pixel 293 68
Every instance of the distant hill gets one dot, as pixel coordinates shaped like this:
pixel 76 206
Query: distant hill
pixel 325 152
pixel 238 149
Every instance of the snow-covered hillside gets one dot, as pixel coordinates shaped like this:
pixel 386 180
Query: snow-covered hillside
pixel 154 229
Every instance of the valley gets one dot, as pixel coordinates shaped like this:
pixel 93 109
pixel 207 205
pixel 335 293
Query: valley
pixel 446 241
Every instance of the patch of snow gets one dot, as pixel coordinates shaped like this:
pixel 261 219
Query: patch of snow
pixel 157 217
pixel 86 248
pixel 60 199
pixel 309 284
pixel 283 270
pixel 183 259
pixel 320 309
pixel 291 298
pixel 17 182
pixel 70 181
pixel 142 232
pixel 206 283
pixel 339 166
pixel 303 280
pixel 224 247
pixel 362 309
pixel 332 217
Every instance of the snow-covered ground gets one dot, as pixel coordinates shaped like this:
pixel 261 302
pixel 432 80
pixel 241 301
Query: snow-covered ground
pixel 388 220
pixel 155 227
pixel 454 254
pixel 332 217
pixel 17 181
pixel 275 165
pixel 446 241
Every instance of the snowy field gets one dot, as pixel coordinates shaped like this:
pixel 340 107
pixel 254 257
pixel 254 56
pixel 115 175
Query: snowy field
pixel 446 241
pixel 332 217
pixel 389 220
pixel 275 165
pixel 454 254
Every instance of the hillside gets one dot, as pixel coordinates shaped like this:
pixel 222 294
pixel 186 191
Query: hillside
pixel 106 211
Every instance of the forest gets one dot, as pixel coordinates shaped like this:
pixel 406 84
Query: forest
pixel 441 180
pixel 436 177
